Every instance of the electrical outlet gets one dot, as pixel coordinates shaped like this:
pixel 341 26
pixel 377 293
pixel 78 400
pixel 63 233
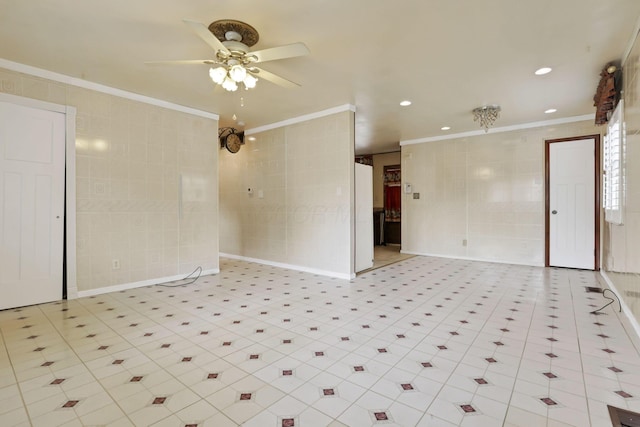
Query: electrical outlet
pixel 464 242
pixel 115 264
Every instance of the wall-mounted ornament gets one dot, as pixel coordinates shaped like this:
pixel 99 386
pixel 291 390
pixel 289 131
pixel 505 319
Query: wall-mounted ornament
pixel 608 93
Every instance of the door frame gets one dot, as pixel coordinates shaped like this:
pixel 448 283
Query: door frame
pixel 596 207
pixel 69 267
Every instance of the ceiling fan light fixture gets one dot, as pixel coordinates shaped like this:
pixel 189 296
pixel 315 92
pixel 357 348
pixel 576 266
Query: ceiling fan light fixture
pixel 237 73
pixel 250 81
pixel 230 85
pixel 218 74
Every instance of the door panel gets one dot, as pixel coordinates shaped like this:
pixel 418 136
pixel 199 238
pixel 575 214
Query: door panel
pixel 364 217
pixel 572 204
pixel 32 159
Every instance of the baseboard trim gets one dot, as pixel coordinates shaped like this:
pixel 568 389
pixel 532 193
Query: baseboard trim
pixel 140 284
pixel 625 308
pixel 495 261
pixel 464 258
pixel 291 266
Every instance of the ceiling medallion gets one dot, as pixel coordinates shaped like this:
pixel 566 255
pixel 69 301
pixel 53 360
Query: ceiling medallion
pixel 248 34
pixel 486 115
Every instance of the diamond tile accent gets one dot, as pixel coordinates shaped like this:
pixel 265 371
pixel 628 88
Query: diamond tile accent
pixel 159 400
pixel 328 392
pixel 548 401
pixel 57 381
pixel 467 409
pixel 481 381
pixel 614 369
pixel 380 416
pixel 406 386
pixel 288 422
pixel 136 379
pixel 623 394
pixel 70 403
pixel 245 396
pixel 550 375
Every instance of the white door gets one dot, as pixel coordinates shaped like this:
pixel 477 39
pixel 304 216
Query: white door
pixel 364 217
pixel 572 204
pixel 32 161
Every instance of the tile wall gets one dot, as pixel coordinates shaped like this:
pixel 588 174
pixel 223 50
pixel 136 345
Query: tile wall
pixel 131 159
pixel 481 197
pixel 621 243
pixel 299 209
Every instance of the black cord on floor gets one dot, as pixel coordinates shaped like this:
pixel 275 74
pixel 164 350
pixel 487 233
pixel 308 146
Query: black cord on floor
pixel 611 301
pixel 198 270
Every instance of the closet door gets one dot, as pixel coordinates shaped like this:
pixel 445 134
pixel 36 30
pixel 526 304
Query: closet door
pixel 32 161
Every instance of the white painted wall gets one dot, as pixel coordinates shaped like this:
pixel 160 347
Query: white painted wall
pixel 486 189
pixel 299 212
pixel 130 155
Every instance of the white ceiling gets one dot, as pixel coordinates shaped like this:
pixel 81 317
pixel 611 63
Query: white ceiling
pixel 446 56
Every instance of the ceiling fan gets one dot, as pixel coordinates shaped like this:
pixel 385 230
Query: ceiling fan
pixel 231 40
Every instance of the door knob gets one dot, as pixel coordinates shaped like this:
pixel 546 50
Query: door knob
pixel 554 212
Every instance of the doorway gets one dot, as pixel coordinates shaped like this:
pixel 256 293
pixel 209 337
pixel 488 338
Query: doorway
pixel 572 202
pixel 392 205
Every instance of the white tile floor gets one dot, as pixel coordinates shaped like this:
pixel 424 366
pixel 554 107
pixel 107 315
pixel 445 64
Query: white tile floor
pixel 425 342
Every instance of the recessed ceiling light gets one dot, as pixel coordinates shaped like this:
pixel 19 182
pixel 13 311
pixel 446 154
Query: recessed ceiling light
pixel 445 128
pixel 543 71
pixel 550 110
pixel 405 103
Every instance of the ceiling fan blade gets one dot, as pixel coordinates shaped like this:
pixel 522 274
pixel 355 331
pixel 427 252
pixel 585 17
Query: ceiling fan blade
pixel 281 52
pixel 183 62
pixel 203 32
pixel 273 78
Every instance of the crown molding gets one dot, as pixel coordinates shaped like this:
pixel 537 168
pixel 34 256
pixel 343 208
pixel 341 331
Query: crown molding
pixel 522 126
pixel 74 81
pixel 300 119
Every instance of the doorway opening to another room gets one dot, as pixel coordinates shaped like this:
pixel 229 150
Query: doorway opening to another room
pixel 387 207
pixel 392 190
